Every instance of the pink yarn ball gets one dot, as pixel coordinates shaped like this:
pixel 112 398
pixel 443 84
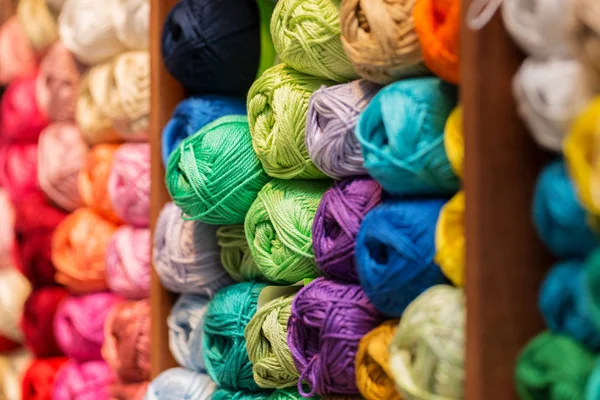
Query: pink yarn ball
pixel 7 234
pixel 18 169
pixel 128 262
pixel 129 183
pixel 89 380
pixel 17 58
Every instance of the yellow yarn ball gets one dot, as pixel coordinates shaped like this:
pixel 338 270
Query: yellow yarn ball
pixel 450 239
pixel 454 141
pixel 39 24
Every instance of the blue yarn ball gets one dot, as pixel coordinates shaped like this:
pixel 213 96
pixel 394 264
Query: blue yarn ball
pixel 395 250
pixel 401 133
pixel 562 303
pixel 213 46
pixel 179 383
pixel 559 219
pixel 194 113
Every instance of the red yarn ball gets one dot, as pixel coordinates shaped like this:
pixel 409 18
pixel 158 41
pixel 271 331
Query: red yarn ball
pixel 18 169
pixel 7 345
pixel 39 378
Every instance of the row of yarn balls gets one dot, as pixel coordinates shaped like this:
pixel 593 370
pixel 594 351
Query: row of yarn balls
pixel 253 203
pixel 78 86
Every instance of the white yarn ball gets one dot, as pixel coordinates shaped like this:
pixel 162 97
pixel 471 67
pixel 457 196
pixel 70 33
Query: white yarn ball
pixel 12 368
pixel 132 23
pixel 14 290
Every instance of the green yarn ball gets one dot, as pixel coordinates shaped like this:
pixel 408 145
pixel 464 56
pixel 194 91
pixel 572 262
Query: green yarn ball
pixel 285 394
pixel 214 175
pixel 235 254
pixel 553 367
pixel 307 37
pixel 279 229
pixel 223 343
pixel 277 107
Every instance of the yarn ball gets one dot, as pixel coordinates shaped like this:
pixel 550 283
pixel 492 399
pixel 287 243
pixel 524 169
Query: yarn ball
pixel 214 175
pixel 282 394
pixel 79 246
pixel 12 367
pixel 39 378
pixel 584 30
pixel 591 282
pixel 129 183
pixel 7 232
pixel 213 46
pixel 380 39
pixel 454 141
pixel 129 390
pixel 18 169
pixel 279 229
pixel 277 109
pixel 57 84
pixel 179 383
pixel 402 137
pixel 131 21
pixel 37 321
pixel 306 35
pixel 88 380
pixel 17 58
pixel 337 221
pixel 126 345
pixel 39 24
pixel 86 28
pixel 592 390
pixel 266 344
pixel 185 331
pixel 128 262
pixel 186 254
pixel 194 113
pixel 327 322
pixel 62 153
pixel 20 117
pixel 223 344
pixel 14 291
pixel 450 244
pixel 427 353
pixel 373 374
pixel 330 121
pixel 553 367
pixel 93 181
pixel 236 257
pixel 79 324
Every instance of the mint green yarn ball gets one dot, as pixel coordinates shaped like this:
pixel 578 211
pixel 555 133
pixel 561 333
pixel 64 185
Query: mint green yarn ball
pixel 223 343
pixel 283 394
pixel 277 108
pixel 214 175
pixel 279 229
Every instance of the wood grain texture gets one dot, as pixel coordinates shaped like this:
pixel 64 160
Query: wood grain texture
pixel 505 260
pixel 166 92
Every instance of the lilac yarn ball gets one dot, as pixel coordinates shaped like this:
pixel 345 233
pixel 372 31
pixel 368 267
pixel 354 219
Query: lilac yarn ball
pixel 327 322
pixel 336 225
pixel 128 262
pixel 89 380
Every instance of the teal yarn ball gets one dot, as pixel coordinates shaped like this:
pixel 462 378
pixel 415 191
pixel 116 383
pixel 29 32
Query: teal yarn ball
pixel 281 394
pixel 592 391
pixel 591 279
pixel 401 133
pixel 214 175
pixel 223 344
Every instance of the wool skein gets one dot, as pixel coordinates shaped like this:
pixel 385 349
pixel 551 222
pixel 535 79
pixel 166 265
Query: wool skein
pixel 330 122
pixel 18 169
pixel 402 137
pixel 224 346
pixel 278 228
pixel 186 254
pixel 186 329
pixel 450 244
pixel 39 24
pixel 14 291
pixel 584 29
pixel 454 142
pixel 128 262
pixel 277 109
pixel 236 256
pixel 214 176
pixel 17 58
pixel 335 227
pixel 78 380
pixel 327 322
pixel 179 383
pixel 39 378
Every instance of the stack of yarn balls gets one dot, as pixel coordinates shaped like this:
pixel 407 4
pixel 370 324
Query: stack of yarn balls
pixel 312 201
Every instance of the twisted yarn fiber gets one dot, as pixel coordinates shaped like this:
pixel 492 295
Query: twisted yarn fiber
pixel 266 343
pixel 128 262
pixel 213 46
pixel 235 254
pixel 306 35
pixel 16 55
pixel 402 137
pixel 214 175
pixel 330 121
pixel 95 126
pixel 39 378
pixel 18 169
pixel 454 141
pixel 282 394
pixel 327 322
pixel 563 303
pixel 78 380
pixel 338 218
pixel 279 229
pixel 395 251
pixel 380 39
pixel 553 367
pixel 14 290
pixel 185 331
pixel 450 250
pixel 186 254
pixel 591 282
pixel 179 383
pixel 194 113
pixel 224 346
pixel 39 24
pixel 584 26
pixel 427 352
pixel 277 109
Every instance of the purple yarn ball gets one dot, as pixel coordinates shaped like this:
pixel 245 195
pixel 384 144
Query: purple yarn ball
pixel 336 225
pixel 328 320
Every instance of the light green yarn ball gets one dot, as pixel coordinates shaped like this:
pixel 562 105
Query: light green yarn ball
pixel 277 107
pixel 279 229
pixel 285 394
pixel 235 254
pixel 214 175
pixel 307 37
